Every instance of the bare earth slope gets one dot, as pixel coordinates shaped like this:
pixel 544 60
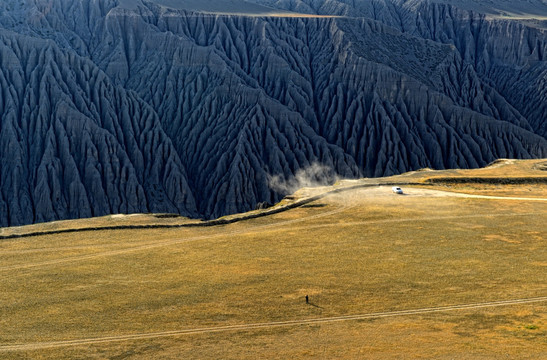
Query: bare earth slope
pixel 203 106
pixel 504 41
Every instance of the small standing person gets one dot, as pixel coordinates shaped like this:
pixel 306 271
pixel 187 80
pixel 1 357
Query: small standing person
pixel 307 299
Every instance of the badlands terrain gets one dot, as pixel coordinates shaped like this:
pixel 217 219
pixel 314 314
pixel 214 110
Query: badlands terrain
pixel 193 107
pixel 126 124
pixel 453 268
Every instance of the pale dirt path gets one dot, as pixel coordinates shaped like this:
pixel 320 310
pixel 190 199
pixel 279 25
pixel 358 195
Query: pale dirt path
pixel 253 326
pixel 379 191
pixel 388 221
pixel 154 245
pixel 244 327
pixel 496 197
pixel 439 193
pixel 241 232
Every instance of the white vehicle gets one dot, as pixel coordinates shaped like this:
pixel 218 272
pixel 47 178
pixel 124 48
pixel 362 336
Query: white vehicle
pixel 397 190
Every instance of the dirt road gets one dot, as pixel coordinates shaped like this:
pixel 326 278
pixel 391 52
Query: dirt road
pixel 438 193
pixel 15 270
pixel 153 245
pixel 369 192
pixel 253 326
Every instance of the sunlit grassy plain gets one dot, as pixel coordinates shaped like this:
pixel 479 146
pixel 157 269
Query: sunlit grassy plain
pixel 356 252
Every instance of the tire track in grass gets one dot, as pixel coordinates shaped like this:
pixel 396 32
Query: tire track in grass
pixel 153 245
pixel 344 207
pixel 264 325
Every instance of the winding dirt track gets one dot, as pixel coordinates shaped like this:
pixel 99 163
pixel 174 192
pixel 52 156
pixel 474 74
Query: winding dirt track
pixel 154 245
pixel 253 326
pixel 487 197
pixel 281 224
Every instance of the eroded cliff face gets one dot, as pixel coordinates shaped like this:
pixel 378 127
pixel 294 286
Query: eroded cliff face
pixel 74 145
pixel 505 43
pixel 143 108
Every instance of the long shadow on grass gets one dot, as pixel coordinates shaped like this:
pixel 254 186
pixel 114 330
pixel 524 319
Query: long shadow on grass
pixel 317 306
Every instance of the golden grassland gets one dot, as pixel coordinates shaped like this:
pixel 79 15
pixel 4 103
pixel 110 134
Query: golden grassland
pixel 361 251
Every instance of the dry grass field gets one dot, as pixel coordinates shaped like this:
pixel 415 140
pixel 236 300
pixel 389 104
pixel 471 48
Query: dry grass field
pixel 385 274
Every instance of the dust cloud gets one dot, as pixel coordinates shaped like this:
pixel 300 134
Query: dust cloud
pixel 312 176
